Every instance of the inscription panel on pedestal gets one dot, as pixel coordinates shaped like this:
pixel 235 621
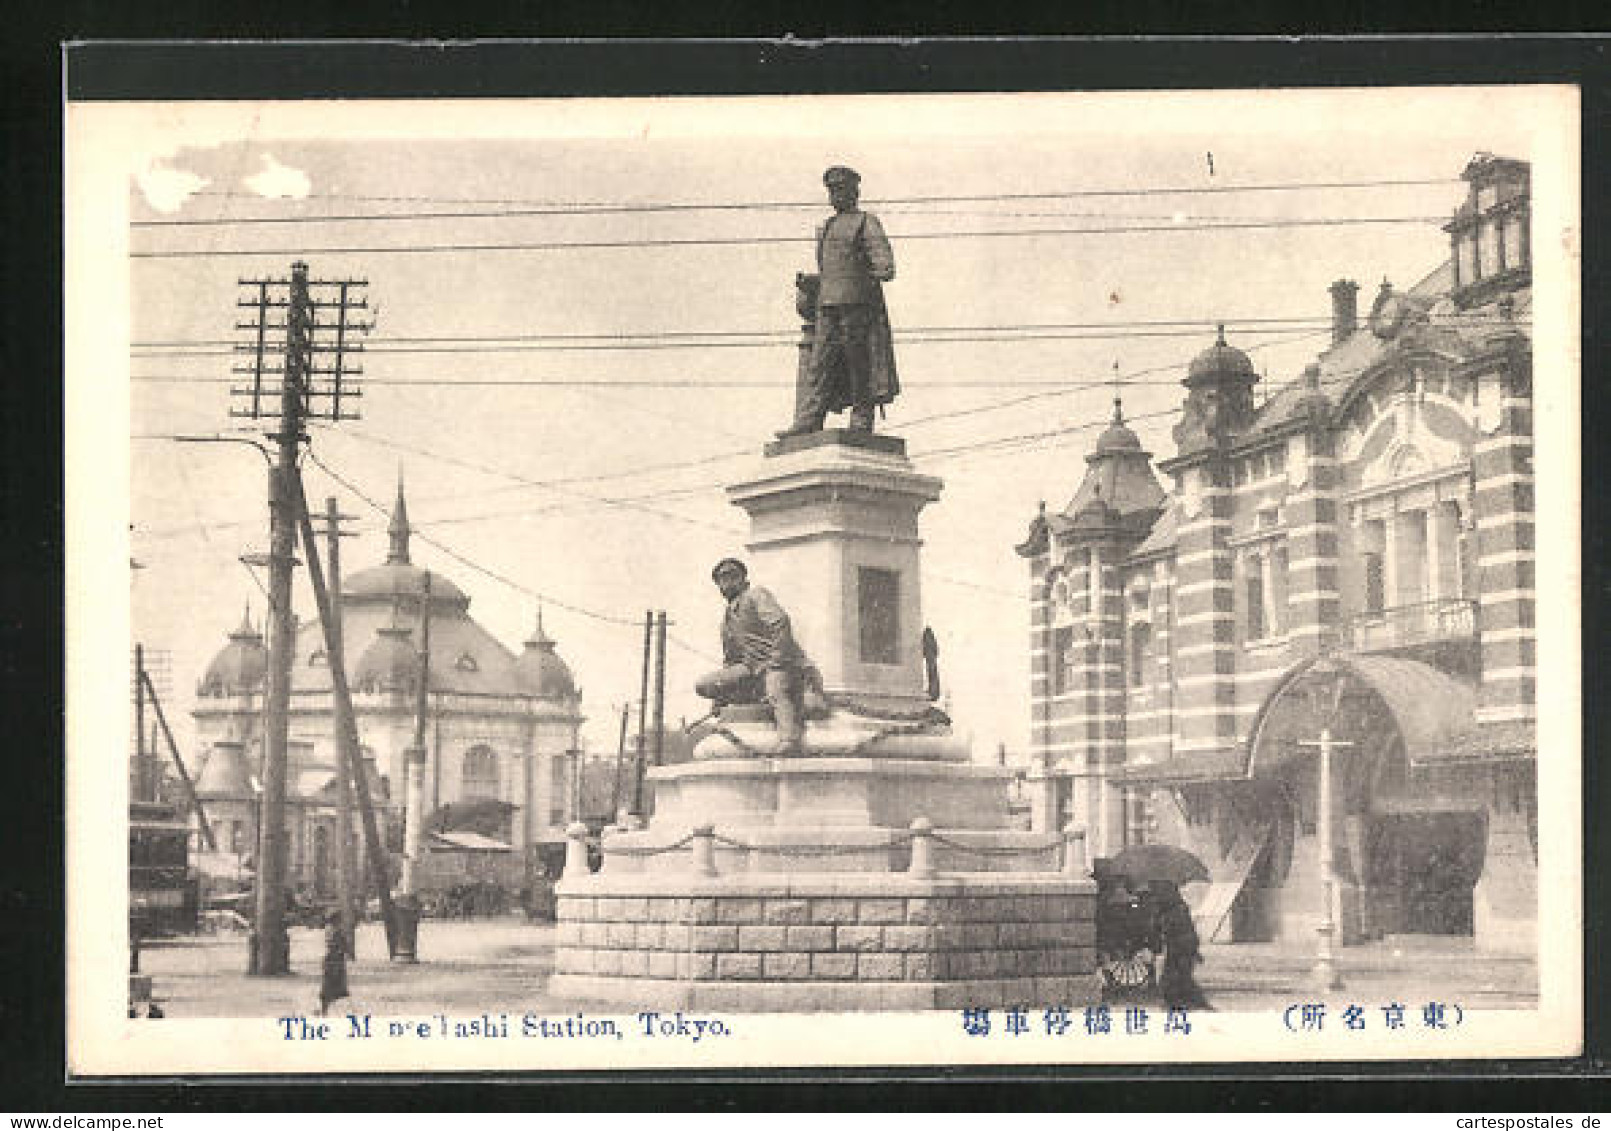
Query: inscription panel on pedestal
pixel 878 599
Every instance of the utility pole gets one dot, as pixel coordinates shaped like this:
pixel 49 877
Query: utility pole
pixel 273 950
pixel 140 771
pixel 184 774
pixel 660 689
pixel 348 761
pixel 414 791
pixel 347 725
pixel 643 717
pixel 620 761
pixel 301 395
pixel 574 756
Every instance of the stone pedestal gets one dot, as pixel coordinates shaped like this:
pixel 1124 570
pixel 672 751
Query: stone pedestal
pixel 833 534
pixel 826 942
pixel 876 869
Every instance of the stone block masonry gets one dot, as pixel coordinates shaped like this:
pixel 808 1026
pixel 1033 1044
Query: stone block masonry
pixel 830 941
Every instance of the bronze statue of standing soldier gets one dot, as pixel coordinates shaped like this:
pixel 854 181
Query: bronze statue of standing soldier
pixel 852 362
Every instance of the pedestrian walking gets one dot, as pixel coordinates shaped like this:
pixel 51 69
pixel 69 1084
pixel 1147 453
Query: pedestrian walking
pixel 333 980
pixel 1177 938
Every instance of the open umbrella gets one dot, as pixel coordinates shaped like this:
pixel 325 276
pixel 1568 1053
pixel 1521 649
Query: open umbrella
pixel 1144 863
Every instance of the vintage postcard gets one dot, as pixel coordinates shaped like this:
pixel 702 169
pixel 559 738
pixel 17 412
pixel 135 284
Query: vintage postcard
pixel 693 583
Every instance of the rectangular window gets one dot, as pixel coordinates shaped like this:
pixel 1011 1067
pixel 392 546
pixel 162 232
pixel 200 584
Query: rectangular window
pixel 1375 583
pixel 1140 639
pixel 1278 590
pixel 1466 244
pixel 560 790
pixel 878 593
pixel 1062 660
pixel 1255 598
pixel 1466 570
pixel 1138 819
pixel 1514 255
pixel 1488 247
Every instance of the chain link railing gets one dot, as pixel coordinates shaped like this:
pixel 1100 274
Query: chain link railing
pixel 921 839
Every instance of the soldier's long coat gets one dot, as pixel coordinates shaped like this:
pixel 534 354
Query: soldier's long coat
pixel 884 383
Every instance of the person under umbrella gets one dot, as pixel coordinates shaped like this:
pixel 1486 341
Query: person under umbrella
pixel 1177 938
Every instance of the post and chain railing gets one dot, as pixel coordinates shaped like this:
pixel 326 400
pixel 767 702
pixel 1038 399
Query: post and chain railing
pixel 921 839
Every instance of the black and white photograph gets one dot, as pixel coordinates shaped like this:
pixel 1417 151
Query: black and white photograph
pixel 823 580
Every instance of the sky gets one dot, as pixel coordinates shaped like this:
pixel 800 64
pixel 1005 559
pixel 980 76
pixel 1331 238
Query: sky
pixel 588 480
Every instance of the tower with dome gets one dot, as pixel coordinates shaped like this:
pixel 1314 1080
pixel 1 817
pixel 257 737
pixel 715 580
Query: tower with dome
pixel 501 729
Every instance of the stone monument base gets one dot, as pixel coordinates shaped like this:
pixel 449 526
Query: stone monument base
pixel 827 942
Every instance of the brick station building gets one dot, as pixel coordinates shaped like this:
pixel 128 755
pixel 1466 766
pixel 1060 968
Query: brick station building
pixel 1354 554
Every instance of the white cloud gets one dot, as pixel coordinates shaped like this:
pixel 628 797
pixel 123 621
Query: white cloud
pixel 277 180
pixel 165 188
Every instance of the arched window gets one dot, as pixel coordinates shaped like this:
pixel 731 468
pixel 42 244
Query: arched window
pixel 479 776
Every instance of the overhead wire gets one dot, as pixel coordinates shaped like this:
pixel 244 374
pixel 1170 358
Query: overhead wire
pixel 415 531
pixel 1116 326
pixel 778 343
pixel 1130 379
pixel 495 575
pixel 756 240
pixel 564 208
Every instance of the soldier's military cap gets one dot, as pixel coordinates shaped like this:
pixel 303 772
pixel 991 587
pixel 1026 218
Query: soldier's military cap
pixel 725 562
pixel 839 173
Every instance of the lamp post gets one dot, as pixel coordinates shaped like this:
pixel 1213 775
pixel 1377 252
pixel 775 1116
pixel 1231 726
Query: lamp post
pixel 1326 972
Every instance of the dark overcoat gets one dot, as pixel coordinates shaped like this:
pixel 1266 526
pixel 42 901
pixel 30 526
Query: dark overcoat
pixel 883 382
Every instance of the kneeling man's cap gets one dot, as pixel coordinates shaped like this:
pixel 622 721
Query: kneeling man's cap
pixel 840 174
pixel 725 562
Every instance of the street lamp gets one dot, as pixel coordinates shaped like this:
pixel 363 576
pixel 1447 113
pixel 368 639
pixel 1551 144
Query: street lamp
pixel 1326 972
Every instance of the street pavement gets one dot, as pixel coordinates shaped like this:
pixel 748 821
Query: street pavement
pixel 503 965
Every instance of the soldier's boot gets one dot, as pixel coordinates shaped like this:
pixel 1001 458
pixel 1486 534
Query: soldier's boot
pixel 803 425
pixel 780 694
pixel 861 418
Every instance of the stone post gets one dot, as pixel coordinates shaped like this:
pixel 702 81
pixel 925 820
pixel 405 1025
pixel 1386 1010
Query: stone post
pixel 922 865
pixel 705 850
pixel 576 851
pixel 1074 862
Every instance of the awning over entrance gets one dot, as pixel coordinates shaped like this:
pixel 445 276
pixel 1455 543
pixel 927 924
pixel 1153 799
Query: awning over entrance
pixel 1435 711
pixel 1369 702
pixel 1430 712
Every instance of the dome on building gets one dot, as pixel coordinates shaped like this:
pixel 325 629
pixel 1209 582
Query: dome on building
pixel 240 666
pixel 1118 437
pixel 400 579
pixel 1119 488
pixel 542 672
pixel 1220 362
pixel 390 663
